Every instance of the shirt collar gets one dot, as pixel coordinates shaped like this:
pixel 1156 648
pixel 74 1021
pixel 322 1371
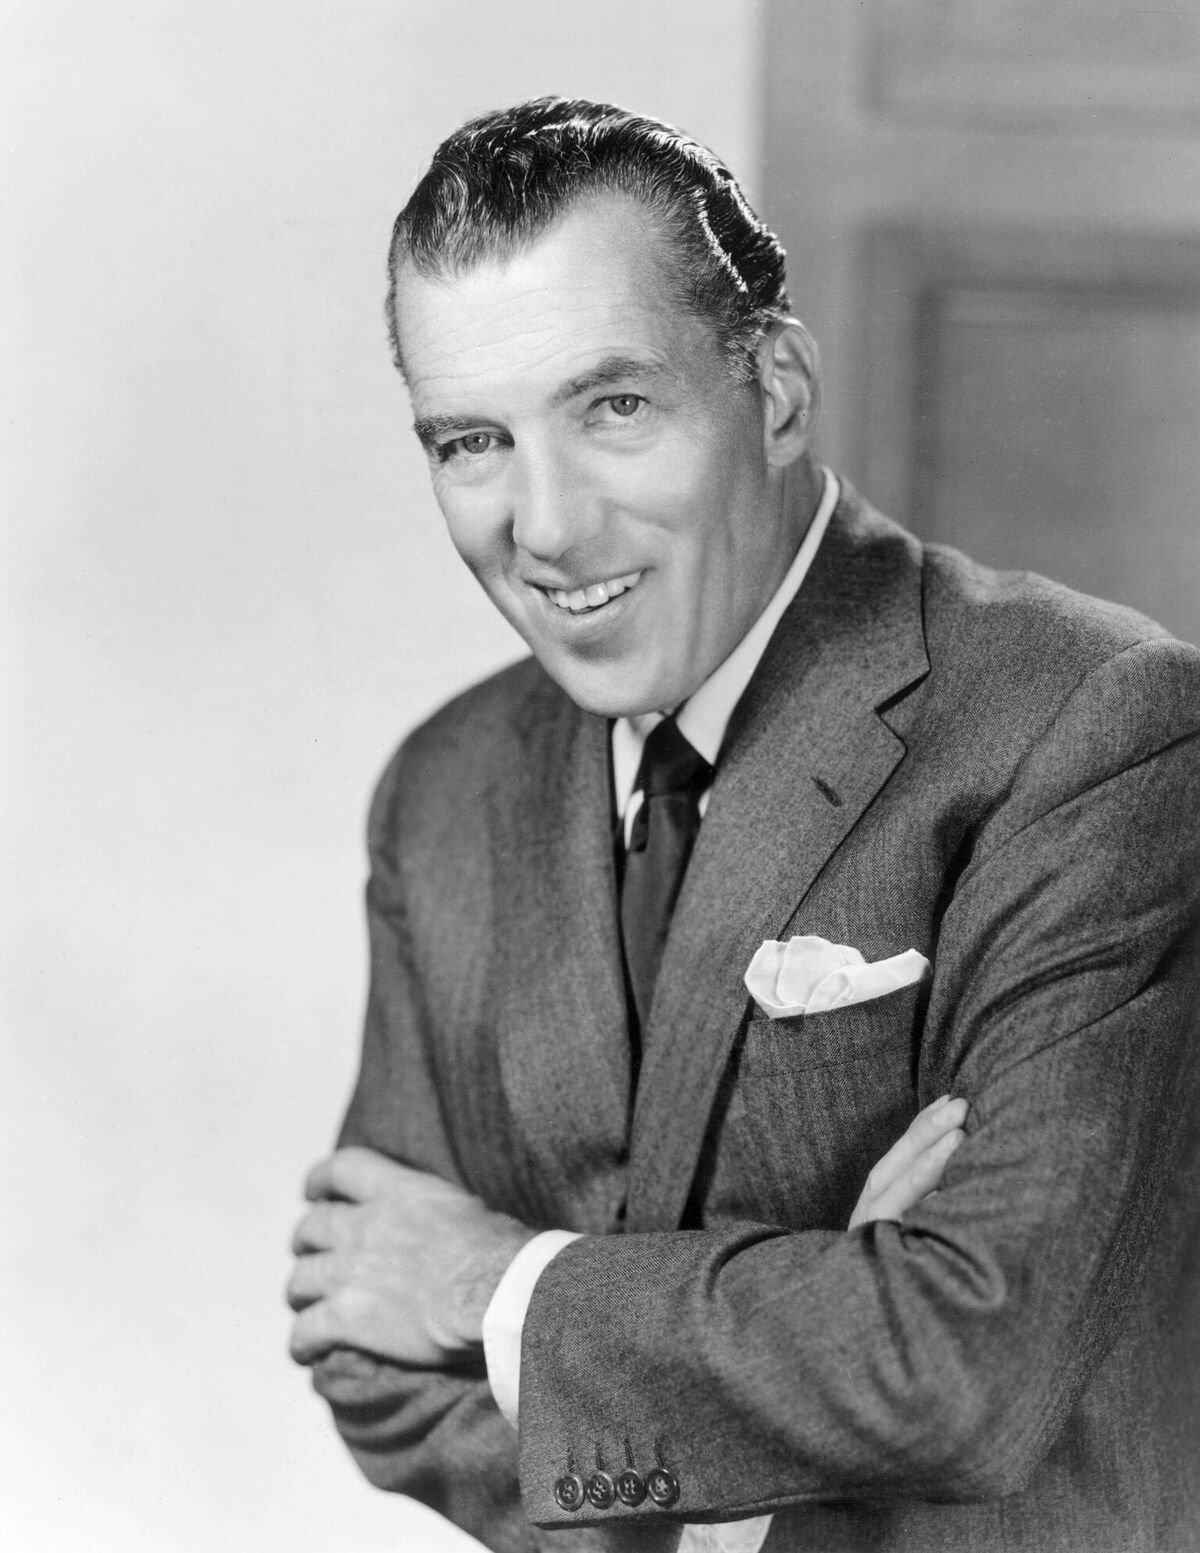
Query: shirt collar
pixel 705 715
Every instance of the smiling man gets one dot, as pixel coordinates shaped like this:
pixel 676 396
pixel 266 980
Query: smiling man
pixel 617 495
pixel 789 828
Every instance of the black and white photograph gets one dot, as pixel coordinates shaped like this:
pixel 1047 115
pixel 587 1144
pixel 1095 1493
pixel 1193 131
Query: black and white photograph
pixel 600 813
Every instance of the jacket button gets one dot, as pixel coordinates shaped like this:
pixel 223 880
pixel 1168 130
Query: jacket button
pixel 600 1490
pixel 568 1491
pixel 662 1486
pixel 631 1490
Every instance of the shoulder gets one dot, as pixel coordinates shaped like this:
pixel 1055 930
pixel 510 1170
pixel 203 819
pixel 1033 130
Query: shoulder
pixel 1037 695
pixel 974 620
pixel 976 609
pixel 443 766
pixel 1015 664
pixel 479 719
pixel 1024 648
pixel 1008 637
pixel 1012 621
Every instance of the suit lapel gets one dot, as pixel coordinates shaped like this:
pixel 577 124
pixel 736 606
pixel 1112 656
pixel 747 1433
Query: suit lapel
pixel 805 754
pixel 564 1035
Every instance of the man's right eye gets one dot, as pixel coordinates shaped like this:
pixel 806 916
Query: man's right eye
pixel 473 443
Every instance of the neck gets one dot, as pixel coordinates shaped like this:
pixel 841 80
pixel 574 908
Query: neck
pixel 802 488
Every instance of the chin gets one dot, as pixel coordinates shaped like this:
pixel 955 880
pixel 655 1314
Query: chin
pixel 611 695
pixel 602 702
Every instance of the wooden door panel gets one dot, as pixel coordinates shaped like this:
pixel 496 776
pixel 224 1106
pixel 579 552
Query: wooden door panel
pixel 1079 62
pixel 1034 398
pixel 992 216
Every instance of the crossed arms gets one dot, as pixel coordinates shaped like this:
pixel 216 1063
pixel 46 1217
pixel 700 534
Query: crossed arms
pixel 1060 1008
pixel 398 1265
pixel 397 1262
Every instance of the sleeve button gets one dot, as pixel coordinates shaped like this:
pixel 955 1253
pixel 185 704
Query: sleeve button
pixel 631 1489
pixel 662 1486
pixel 568 1491
pixel 600 1490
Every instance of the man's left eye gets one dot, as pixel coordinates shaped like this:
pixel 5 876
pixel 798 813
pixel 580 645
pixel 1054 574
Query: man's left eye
pixel 625 404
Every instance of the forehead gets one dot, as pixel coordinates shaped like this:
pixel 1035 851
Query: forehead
pixel 593 285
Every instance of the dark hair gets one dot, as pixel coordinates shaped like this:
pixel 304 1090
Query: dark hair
pixel 499 181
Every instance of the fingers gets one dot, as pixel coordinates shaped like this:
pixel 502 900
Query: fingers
pixel 313 1277
pixel 923 1131
pixel 349 1175
pixel 351 1283
pixel 907 1189
pixel 314 1332
pixel 913 1166
pixel 349 1378
pixel 325 1226
pixel 356 1175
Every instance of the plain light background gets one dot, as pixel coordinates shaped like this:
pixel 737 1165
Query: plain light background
pixel 226 593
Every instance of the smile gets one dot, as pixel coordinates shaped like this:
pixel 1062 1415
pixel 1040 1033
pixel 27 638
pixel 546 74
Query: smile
pixel 579 601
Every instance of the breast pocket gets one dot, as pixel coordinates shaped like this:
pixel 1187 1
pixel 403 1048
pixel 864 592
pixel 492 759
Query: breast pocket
pixel 812 1102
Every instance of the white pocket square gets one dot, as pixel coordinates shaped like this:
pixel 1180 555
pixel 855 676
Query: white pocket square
pixel 811 976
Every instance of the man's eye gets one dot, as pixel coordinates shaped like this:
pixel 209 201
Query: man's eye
pixel 473 444
pixel 625 404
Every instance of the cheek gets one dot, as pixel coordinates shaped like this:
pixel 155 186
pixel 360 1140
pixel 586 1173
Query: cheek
pixel 666 493
pixel 692 482
pixel 475 529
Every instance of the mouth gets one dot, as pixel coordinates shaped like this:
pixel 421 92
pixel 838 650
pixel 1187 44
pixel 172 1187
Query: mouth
pixel 592 598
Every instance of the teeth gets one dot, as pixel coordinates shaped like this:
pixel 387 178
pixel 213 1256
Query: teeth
pixel 577 600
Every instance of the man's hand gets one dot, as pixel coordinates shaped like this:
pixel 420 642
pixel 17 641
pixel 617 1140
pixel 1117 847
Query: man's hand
pixel 401 1264
pixel 394 1262
pixel 912 1168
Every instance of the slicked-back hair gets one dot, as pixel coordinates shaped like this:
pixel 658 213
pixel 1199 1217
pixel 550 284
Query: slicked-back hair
pixel 500 180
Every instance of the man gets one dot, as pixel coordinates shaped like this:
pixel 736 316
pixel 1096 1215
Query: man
pixel 756 712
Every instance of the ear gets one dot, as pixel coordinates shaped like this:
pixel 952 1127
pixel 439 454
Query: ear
pixel 789 375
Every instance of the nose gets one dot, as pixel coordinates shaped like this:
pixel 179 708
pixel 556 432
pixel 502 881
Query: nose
pixel 551 506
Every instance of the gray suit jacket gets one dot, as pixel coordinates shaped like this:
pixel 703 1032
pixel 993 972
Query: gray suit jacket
pixel 987 768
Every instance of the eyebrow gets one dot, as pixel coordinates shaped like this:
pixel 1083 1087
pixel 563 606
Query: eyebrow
pixel 613 369
pixel 430 427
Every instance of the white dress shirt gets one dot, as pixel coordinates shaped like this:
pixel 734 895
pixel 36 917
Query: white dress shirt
pixel 702 720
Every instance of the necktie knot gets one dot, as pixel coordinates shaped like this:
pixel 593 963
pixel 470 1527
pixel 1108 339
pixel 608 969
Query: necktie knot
pixel 670 764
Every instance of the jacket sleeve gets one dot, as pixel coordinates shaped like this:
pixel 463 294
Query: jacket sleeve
pixel 432 1434
pixel 937 1358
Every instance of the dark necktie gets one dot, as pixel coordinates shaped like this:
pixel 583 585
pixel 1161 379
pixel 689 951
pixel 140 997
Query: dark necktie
pixel 672 777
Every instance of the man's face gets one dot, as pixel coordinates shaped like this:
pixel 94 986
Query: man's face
pixel 599 469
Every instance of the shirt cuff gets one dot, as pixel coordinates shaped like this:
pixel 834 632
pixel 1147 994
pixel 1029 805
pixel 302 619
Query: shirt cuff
pixel 504 1319
pixel 730 1537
